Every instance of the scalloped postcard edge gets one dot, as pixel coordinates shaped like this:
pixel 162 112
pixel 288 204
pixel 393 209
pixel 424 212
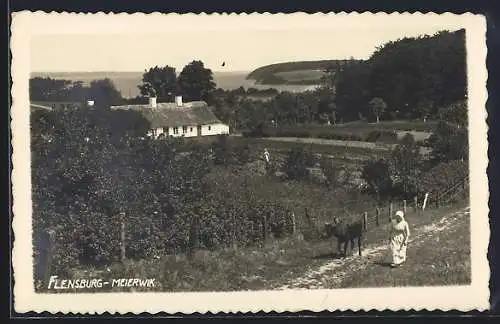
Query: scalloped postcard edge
pixel 25 24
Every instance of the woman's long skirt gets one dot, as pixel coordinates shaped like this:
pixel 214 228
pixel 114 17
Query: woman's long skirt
pixel 398 249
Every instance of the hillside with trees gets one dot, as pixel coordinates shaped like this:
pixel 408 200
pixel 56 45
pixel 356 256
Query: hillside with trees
pixel 303 72
pixel 417 78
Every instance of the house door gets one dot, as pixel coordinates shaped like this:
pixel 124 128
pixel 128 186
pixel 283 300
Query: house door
pixel 199 130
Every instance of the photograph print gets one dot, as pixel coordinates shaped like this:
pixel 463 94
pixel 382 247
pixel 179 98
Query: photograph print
pixel 250 162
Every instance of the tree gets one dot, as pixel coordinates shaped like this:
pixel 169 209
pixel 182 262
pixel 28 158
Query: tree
pixel 412 69
pixel 377 176
pixel 353 90
pixel 104 93
pixel 296 164
pixel 448 142
pixel 406 166
pixel 426 108
pixel 47 89
pixel 160 82
pixel 378 107
pixel 329 170
pixel 196 82
pixel 456 114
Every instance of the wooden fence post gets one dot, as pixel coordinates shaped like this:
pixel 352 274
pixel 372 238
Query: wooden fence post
pixel 264 227
pixel 425 201
pixel 390 211
pixel 404 206
pixel 377 216
pixel 122 236
pixel 415 201
pixel 44 258
pixel 365 220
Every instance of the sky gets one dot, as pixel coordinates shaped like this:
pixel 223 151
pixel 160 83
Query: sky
pixel 242 48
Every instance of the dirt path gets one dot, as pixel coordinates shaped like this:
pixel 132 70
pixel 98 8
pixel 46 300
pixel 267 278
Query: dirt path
pixel 331 273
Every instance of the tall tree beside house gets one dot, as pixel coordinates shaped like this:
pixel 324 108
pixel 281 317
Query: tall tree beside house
pixel 196 82
pixel 159 81
pixel 104 93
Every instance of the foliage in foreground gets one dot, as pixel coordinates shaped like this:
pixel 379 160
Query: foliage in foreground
pixel 91 173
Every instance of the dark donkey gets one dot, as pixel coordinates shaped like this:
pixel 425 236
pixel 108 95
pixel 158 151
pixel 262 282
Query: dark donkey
pixel 346 232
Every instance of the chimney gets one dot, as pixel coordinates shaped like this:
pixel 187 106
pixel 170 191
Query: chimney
pixel 152 102
pixel 178 100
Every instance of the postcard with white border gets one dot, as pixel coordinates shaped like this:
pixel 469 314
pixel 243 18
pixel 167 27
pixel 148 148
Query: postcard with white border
pixel 186 163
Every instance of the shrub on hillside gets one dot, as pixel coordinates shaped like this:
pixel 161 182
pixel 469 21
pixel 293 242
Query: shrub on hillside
pixel 406 167
pixel 448 142
pixel 340 136
pixel 443 176
pixel 330 171
pixel 385 136
pixel 377 176
pixel 297 163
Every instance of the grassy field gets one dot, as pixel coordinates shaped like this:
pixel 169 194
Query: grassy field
pixel 401 125
pixel 342 154
pixel 359 131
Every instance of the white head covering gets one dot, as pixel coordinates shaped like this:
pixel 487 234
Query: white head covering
pixel 400 214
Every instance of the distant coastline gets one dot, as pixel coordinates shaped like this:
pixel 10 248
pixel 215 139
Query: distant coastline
pixel 127 82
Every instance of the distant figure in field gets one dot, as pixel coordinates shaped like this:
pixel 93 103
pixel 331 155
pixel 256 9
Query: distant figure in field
pixel 400 232
pixel 266 156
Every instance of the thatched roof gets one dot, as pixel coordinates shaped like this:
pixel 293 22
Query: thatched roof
pixel 170 115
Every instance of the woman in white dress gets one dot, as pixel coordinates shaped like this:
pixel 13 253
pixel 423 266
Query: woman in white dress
pixel 400 232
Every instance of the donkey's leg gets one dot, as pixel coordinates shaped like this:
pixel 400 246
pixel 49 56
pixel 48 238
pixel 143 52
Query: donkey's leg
pixel 360 240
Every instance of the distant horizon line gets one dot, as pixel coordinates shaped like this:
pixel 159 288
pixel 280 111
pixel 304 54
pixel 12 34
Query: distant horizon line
pixel 129 71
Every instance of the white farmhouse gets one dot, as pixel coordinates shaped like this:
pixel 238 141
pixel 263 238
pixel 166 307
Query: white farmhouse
pixel 188 119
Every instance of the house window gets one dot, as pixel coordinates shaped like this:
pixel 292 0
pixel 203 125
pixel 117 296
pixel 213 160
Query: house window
pixel 191 129
pixel 176 130
pixel 209 127
pixel 184 129
pixel 165 130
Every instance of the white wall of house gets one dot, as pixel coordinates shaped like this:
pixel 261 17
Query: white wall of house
pixel 186 131
pixel 191 131
pixel 214 129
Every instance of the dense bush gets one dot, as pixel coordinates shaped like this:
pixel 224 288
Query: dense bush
pixel 406 167
pixel 376 174
pixel 443 176
pixel 385 136
pixel 297 163
pixel 448 142
pixel 227 150
pixel 330 171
